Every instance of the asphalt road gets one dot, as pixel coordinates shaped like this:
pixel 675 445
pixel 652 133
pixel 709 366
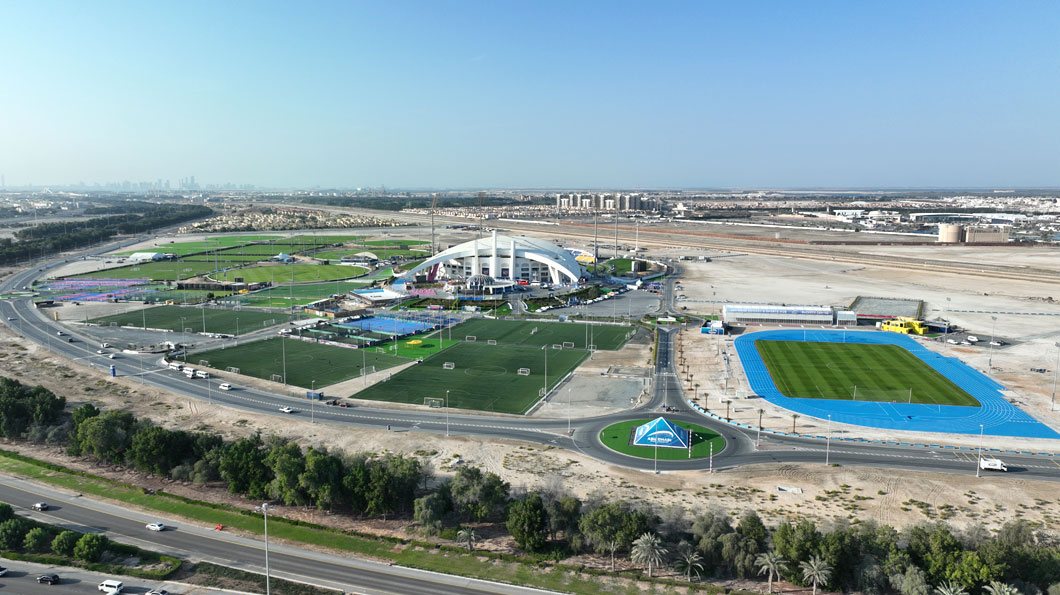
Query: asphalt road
pixel 185 540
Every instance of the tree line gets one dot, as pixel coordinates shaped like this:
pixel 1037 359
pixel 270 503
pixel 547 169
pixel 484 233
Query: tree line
pixel 49 238
pixel 1021 558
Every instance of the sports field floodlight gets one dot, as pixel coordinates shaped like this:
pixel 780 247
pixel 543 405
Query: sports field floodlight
pixel 828 441
pixel 264 510
pixel 447 413
pixel 990 358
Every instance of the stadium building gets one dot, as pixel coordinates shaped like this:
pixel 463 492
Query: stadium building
pixel 501 258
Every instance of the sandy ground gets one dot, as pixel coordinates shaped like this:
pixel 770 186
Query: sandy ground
pixel 897 497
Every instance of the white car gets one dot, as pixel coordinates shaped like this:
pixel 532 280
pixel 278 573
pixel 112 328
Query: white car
pixel 997 343
pixel 286 410
pixel 110 356
pixel 224 386
pixel 156 526
pixel 40 506
pixel 100 351
pixel 159 592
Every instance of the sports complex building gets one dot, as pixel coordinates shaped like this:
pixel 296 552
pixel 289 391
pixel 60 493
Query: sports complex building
pixel 772 314
pixel 502 257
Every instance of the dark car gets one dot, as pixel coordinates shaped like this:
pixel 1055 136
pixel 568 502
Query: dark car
pixel 49 579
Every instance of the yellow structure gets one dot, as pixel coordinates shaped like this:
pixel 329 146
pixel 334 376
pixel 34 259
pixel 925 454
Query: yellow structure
pixel 904 325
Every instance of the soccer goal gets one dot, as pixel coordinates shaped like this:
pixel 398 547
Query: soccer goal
pixel 471 338
pixel 204 363
pixel 592 346
pixel 276 378
pixel 433 402
pixel 232 369
pixel 189 330
pixel 557 346
pixel 541 392
pixel 268 322
pixel 380 350
pixel 533 331
pixel 368 370
pixel 568 344
pixel 524 371
pixel 491 341
pixel 449 366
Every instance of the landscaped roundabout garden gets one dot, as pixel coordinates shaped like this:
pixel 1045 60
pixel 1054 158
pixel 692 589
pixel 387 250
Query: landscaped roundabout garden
pixel 618 437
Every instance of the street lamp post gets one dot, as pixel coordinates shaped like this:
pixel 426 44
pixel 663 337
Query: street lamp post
pixel 568 412
pixel 264 510
pixel 447 413
pixel 979 462
pixel 1052 402
pixel 313 402
pixel 828 441
pixel 283 348
pixel 184 334
pixel 990 358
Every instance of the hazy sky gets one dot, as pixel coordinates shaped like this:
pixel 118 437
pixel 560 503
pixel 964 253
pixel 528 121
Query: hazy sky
pixel 532 94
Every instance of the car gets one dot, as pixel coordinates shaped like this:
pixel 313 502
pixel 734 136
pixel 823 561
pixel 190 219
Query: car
pixel 100 351
pixel 3 571
pixel 111 586
pixel 997 343
pixel 224 386
pixel 10 317
pixel 69 339
pixel 40 506
pixel 111 356
pixel 159 592
pixel 49 578
pixel 60 333
pixel 156 526
pixel 286 410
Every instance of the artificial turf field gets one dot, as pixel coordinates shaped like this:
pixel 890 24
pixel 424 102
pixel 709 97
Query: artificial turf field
pixel 813 370
pixel 306 362
pixel 166 270
pixel 485 377
pixel 300 273
pixel 604 336
pixel 217 321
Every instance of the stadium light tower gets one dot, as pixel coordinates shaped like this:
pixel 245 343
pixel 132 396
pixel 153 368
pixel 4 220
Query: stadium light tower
pixel 264 510
pixel 828 441
pixel 990 358
pixel 979 463
pixel 1053 401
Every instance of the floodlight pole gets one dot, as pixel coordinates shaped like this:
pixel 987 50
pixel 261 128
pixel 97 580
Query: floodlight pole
pixel 990 358
pixel 828 441
pixel 979 463
pixel 364 369
pixel 656 455
pixel 568 412
pixel 447 413
pixel 313 402
pixel 264 508
pixel 711 456
pixel 1052 402
pixel 283 348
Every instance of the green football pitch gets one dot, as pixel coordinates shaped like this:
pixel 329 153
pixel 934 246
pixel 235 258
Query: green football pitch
pixel 484 377
pixel 300 273
pixel 309 365
pixel 857 371
pixel 604 336
pixel 166 270
pixel 216 321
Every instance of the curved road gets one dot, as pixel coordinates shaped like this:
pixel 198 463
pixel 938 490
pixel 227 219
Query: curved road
pixel 21 315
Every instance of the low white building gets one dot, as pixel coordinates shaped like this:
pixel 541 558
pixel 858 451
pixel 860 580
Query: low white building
pixel 146 256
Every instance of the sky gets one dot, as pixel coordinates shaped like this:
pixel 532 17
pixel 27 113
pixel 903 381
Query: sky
pixel 539 94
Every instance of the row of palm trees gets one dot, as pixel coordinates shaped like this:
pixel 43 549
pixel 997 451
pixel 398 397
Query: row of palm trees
pixel 814 571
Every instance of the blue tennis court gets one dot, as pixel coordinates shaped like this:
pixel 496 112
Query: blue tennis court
pixel 997 416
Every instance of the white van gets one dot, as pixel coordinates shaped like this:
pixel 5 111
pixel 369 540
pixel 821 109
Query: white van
pixel 189 372
pixel 202 374
pixel 224 386
pixel 175 365
pixel 111 586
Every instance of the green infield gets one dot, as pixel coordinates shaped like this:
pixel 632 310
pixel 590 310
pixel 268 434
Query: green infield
pixel 395 243
pixel 166 270
pixel 309 365
pixel 618 437
pixel 193 247
pixel 286 273
pixel 285 296
pixel 378 252
pixel 483 377
pixel 604 336
pixel 857 371
pixel 197 319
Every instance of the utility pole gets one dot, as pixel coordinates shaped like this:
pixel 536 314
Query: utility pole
pixel 979 463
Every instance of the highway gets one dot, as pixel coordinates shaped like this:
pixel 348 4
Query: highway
pixel 185 540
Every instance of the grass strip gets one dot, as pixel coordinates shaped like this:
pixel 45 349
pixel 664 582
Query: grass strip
pixel 447 559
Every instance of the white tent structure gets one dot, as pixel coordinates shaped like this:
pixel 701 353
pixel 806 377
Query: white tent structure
pixel 502 257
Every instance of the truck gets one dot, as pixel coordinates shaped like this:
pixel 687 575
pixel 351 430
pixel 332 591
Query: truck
pixel 992 464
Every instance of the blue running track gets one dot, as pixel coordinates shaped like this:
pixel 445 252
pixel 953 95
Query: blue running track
pixel 997 416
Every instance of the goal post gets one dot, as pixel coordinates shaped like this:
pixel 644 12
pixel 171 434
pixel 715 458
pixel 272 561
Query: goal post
pixel 433 402
pixel 568 344
pixel 232 369
pixel 524 371
pixel 449 366
pixel 204 363
pixel 557 346
pixel 491 341
pixel 470 338
pixel 276 378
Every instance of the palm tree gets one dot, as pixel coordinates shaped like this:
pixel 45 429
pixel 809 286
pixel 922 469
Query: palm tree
pixel 467 535
pixel 948 588
pixel 770 563
pixel 794 417
pixel 816 571
pixel 648 551
pixel 689 561
pixel 1000 588
pixel 612 546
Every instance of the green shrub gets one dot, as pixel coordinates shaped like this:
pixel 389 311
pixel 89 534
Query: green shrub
pixel 90 547
pixel 12 533
pixel 37 540
pixel 64 543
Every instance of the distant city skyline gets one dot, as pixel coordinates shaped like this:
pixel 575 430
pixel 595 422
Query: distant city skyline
pixel 549 95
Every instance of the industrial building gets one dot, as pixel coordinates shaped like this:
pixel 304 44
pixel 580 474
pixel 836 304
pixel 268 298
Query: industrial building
pixel 741 314
pixel 952 233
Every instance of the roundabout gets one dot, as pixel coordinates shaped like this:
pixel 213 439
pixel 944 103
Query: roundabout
pixel 618 438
